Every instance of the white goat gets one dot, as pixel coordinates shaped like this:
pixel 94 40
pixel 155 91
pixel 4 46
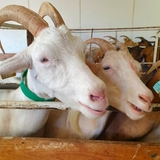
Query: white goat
pixel 56 68
pixel 147 129
pixel 126 92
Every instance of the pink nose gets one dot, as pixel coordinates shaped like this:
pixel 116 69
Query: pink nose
pixel 98 96
pixel 145 99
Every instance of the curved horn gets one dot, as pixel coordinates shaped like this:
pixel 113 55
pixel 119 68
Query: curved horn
pixel 125 36
pixel 155 66
pixel 141 38
pixel 103 44
pixel 47 9
pixel 26 17
pixel 153 36
pixel 111 38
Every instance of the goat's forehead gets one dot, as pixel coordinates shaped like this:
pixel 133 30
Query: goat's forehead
pixel 57 52
pixel 118 58
pixel 116 55
pixel 58 38
pixel 50 35
pixel 57 34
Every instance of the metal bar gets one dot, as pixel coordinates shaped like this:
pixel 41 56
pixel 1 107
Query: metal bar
pixel 156 47
pixel 15 26
pixel 115 29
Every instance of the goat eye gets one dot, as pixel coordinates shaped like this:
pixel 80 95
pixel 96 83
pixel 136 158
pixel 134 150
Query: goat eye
pixel 43 60
pixel 106 68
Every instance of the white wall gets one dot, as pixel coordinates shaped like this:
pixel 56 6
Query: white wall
pixel 80 14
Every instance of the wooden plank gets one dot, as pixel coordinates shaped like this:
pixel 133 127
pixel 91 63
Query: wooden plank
pixel 32 105
pixel 8 85
pixel 58 149
pixel 51 105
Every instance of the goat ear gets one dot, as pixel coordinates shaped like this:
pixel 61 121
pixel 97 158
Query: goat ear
pixel 16 63
pixel 93 67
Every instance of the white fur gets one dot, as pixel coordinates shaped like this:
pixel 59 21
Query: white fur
pixel 124 89
pixel 64 76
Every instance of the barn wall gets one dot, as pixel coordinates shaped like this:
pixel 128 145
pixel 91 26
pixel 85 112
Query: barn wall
pixel 80 14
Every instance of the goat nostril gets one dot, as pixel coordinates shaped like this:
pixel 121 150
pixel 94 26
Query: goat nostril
pixel 145 99
pixel 93 98
pixel 97 97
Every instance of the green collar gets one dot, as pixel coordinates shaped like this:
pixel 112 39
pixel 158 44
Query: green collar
pixel 28 93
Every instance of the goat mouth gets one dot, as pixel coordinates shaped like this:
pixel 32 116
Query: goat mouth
pixel 137 110
pixel 96 112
